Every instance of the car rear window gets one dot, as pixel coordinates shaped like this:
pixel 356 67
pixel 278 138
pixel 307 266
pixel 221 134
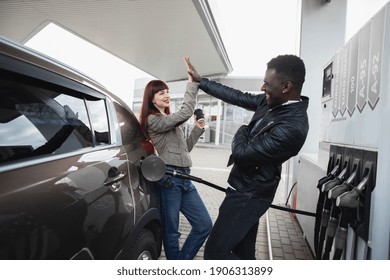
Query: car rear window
pixel 39 121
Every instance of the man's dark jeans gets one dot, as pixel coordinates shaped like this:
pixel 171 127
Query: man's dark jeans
pixel 234 233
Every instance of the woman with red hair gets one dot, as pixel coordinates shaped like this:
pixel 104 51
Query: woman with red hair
pixel 177 194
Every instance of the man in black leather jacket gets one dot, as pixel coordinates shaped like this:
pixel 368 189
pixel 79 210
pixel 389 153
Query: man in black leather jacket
pixel 277 132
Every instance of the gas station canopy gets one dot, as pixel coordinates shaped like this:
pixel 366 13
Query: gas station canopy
pixel 152 35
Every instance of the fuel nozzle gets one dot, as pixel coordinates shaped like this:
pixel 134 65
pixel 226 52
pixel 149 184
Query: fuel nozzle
pixel 335 182
pixel 344 187
pixel 328 177
pixel 351 199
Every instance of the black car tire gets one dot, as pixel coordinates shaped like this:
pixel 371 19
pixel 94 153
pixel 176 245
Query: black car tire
pixel 144 247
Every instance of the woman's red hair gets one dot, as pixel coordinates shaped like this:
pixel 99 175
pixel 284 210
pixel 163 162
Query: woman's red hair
pixel 148 107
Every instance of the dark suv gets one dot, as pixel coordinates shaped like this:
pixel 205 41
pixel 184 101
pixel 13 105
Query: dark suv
pixel 70 155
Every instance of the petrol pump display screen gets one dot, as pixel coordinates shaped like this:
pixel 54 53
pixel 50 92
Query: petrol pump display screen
pixel 327 80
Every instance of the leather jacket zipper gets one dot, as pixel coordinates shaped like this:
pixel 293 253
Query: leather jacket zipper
pixel 268 124
pixel 264 128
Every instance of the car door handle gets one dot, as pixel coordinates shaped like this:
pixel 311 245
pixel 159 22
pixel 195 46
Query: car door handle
pixel 114 176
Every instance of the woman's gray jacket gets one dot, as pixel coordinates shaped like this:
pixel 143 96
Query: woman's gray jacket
pixel 167 134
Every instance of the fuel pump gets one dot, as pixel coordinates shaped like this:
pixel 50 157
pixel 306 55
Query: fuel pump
pixel 359 199
pixel 355 104
pixel 327 204
pixel 342 229
pixel 320 202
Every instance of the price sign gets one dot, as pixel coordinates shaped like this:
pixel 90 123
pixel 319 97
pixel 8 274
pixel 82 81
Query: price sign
pixel 363 60
pixel 377 33
pixel 353 59
pixel 336 85
pixel 344 79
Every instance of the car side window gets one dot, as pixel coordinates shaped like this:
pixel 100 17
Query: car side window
pixel 37 121
pixel 131 133
pixel 98 132
pixel 98 114
pixel 130 129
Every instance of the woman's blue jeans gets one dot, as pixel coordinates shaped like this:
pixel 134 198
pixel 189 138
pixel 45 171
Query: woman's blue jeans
pixel 180 195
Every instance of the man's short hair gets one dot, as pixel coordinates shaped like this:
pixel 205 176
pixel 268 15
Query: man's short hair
pixel 290 68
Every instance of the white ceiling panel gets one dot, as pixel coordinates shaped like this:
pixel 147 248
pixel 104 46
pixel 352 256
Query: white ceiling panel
pixel 152 35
